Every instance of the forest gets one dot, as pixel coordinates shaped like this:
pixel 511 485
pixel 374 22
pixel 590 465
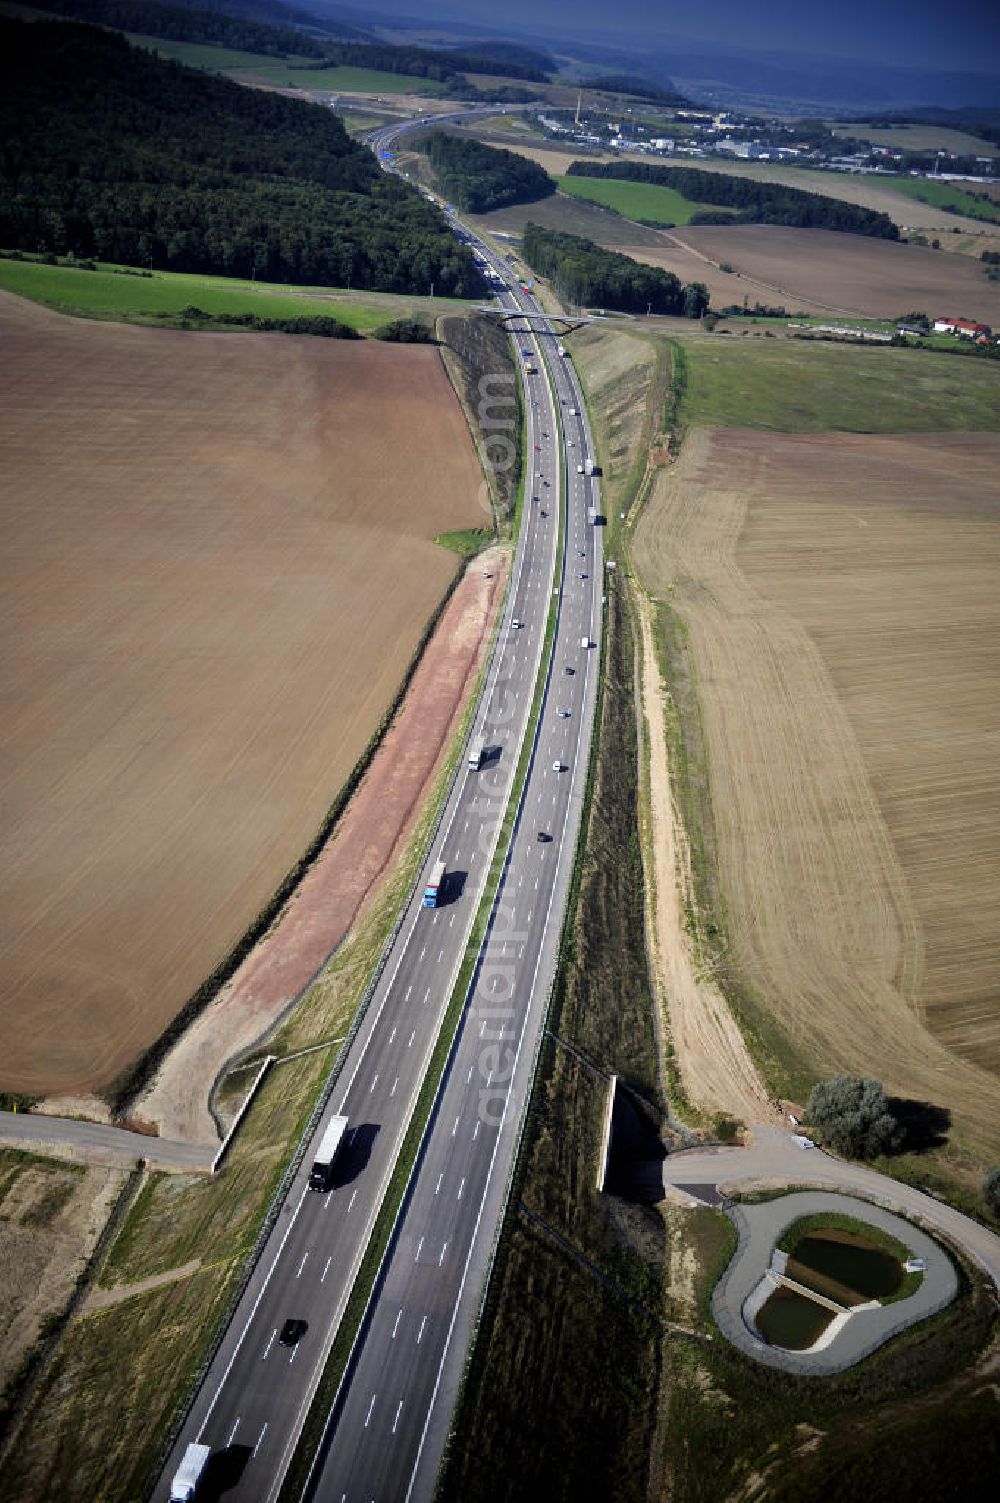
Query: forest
pixel 178 24
pixel 586 274
pixel 754 202
pixel 167 167
pixel 479 178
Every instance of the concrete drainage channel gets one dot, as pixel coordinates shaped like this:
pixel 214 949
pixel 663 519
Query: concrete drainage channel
pixel 757 1271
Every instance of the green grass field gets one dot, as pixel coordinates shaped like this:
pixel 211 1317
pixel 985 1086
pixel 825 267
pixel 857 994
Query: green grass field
pixel 280 73
pixel 645 202
pixel 917 137
pixel 792 386
pixel 944 196
pixel 106 293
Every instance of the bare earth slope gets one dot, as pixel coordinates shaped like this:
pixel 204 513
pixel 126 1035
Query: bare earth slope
pixel 841 596
pixel 216 562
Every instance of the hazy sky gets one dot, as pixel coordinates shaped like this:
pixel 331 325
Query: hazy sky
pixel 944 34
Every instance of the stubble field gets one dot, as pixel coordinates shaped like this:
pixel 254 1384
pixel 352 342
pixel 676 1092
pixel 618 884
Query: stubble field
pixel 217 562
pixel 840 595
pixel 825 271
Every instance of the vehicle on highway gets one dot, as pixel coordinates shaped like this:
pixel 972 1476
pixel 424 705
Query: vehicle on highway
pixel 434 891
pixel 584 641
pixel 582 575
pixel 293 1331
pixel 544 837
pixel 574 412
pixel 557 767
pixel 563 714
pixel 188 1475
pixel 569 670
pixel 516 625
pixel 321 1173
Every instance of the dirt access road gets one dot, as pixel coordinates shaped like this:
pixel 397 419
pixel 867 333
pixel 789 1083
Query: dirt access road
pixel 715 1067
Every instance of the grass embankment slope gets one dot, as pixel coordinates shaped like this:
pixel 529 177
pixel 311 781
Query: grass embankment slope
pixel 117 292
pixel 847 828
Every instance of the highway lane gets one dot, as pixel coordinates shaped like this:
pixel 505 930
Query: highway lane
pixel 254 1399
pixel 389 1427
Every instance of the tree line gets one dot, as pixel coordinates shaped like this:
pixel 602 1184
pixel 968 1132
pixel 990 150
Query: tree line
pixel 480 178
pixel 179 24
pixel 583 272
pixel 169 167
pixel 426 62
pixel 754 202
pixel 638 88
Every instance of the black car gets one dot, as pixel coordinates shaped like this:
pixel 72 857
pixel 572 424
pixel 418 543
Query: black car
pixel 292 1332
pixel 543 837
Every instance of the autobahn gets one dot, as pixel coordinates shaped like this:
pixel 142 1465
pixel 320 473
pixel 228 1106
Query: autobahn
pixel 251 1407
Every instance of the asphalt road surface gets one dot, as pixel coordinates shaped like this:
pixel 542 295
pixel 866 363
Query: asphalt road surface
pixel 393 1413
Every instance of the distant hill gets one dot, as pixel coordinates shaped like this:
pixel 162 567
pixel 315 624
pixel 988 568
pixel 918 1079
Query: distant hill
pixel 637 88
pixel 112 152
pixel 273 13
pixel 181 23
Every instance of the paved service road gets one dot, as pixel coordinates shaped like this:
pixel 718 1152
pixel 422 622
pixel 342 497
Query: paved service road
pixel 97 1143
pixel 774 1158
pixel 253 1402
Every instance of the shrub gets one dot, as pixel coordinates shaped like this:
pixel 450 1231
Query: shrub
pixel 991 1191
pixel 851 1114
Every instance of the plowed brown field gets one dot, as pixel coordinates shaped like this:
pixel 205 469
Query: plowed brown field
pixel 841 594
pixel 825 271
pixel 216 563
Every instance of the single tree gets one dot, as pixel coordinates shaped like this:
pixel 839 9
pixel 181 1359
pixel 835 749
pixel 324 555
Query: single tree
pixel 695 300
pixel 851 1114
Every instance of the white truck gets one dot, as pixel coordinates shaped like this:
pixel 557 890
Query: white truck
pixel 589 467
pixel 476 751
pixel 434 891
pixel 321 1173
pixel 190 1472
pixel 561 349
